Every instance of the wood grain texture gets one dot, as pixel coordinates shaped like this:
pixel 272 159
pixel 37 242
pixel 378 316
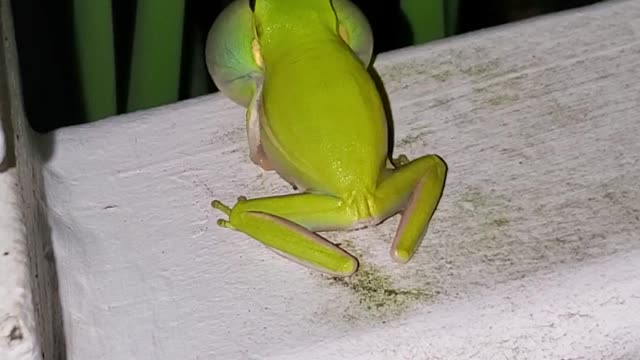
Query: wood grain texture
pixel 19 332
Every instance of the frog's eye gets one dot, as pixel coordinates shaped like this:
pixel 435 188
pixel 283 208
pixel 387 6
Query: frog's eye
pixel 354 29
pixel 229 53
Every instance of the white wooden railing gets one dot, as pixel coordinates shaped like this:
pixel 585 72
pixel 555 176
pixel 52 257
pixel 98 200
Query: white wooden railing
pixel 534 252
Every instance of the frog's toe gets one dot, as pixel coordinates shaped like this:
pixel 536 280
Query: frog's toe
pixel 225 224
pixel 216 204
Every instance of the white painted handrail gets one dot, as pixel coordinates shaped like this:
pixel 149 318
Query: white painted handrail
pixel 533 253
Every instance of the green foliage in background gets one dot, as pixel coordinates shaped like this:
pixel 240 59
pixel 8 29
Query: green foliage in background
pixel 430 20
pixel 157 52
pixel 96 59
pixel 155 71
pixel 84 60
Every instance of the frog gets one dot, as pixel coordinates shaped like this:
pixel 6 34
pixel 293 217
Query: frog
pixel 315 116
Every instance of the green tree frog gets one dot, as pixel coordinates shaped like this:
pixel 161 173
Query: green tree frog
pixel 314 115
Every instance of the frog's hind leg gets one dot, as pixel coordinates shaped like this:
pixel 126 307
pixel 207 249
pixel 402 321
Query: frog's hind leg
pixel 414 189
pixel 286 224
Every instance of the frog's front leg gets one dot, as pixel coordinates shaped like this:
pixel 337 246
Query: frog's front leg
pixel 414 188
pixel 286 224
pixel 256 151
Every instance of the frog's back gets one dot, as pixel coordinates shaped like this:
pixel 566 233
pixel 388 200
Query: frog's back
pixel 325 124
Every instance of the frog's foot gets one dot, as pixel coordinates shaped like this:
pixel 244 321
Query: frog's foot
pixel 276 222
pixel 218 205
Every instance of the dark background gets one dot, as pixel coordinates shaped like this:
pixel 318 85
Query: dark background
pixel 48 69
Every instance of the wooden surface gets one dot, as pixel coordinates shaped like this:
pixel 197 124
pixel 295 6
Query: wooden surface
pixel 18 330
pixel 533 252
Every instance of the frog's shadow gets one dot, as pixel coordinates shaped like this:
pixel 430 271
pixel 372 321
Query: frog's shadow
pixel 387 108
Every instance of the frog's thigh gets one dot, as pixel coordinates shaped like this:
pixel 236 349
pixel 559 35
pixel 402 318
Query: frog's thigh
pixel 256 152
pixel 415 188
pixel 283 223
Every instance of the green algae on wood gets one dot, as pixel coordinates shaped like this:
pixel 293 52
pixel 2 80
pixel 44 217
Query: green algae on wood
pixel 377 296
pixel 480 69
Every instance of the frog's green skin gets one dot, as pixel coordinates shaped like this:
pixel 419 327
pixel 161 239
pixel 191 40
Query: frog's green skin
pixel 314 115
